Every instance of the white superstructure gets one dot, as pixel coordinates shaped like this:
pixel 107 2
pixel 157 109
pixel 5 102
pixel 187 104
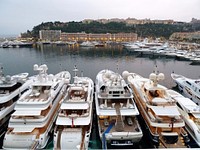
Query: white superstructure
pixel 116 111
pixel 189 87
pixel 74 121
pixel 11 88
pixel 35 112
pixel 190 112
pixel 159 111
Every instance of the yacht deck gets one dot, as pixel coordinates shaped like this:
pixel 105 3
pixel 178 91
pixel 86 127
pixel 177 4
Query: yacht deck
pixel 36 97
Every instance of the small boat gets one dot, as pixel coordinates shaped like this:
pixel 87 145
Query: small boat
pixel 159 111
pixel 74 121
pixel 98 44
pixel 87 44
pixel 11 88
pixel 190 112
pixel 31 125
pixel 116 111
pixel 188 87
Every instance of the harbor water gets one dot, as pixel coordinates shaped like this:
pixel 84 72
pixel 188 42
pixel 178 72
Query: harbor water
pixel 89 62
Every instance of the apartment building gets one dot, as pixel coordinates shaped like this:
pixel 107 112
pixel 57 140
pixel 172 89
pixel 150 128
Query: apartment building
pixel 131 21
pixel 50 35
pixel 117 37
pixel 181 36
pixel 57 35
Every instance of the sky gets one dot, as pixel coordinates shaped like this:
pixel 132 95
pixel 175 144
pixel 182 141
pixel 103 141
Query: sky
pixel 18 16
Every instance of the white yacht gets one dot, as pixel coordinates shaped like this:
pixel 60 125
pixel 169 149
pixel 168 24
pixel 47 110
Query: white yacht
pixel 116 111
pixel 74 121
pixel 159 111
pixel 190 112
pixel 87 44
pixel 189 87
pixel 11 88
pixel 31 124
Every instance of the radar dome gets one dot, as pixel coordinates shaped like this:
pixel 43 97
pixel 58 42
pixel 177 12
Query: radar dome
pixel 152 76
pixel 125 74
pixel 8 78
pixel 107 74
pixel 112 77
pixel 161 76
pixel 35 67
pixel 45 67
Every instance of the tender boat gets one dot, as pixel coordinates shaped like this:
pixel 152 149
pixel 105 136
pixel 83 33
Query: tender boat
pixel 190 112
pixel 74 121
pixel 31 124
pixel 87 44
pixel 188 87
pixel 116 111
pixel 159 111
pixel 11 88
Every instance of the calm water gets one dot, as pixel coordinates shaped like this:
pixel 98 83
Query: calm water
pixel 90 61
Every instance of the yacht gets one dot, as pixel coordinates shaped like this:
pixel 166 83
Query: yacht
pixel 87 44
pixel 189 87
pixel 74 121
pixel 159 111
pixel 31 125
pixel 116 111
pixel 11 88
pixel 190 112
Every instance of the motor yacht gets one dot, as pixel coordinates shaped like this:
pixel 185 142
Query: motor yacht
pixel 116 111
pixel 74 121
pixel 188 87
pixel 190 112
pixel 11 88
pixel 158 110
pixel 87 44
pixel 31 125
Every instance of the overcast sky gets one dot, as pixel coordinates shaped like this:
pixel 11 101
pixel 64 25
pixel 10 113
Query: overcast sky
pixel 17 16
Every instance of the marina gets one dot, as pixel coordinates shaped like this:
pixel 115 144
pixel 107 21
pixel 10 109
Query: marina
pixel 90 61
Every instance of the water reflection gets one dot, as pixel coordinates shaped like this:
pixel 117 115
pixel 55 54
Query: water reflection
pixel 91 61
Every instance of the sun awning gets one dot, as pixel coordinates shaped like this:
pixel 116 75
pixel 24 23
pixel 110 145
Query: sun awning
pixel 74 106
pixel 166 110
pixel 23 129
pixel 27 113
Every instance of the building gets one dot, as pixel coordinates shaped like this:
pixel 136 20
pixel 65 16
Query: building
pixel 50 35
pixel 117 37
pixel 130 21
pixel 74 36
pixel 185 36
pixel 57 35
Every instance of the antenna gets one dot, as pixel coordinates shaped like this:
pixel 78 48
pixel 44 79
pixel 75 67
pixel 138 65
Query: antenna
pixel 155 70
pixel 75 71
pixel 60 67
pixel 117 65
pixel 1 70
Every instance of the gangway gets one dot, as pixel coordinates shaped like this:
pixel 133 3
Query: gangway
pixel 104 144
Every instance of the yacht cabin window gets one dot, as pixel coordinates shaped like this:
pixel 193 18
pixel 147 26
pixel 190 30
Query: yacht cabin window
pixel 179 105
pixel 188 83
